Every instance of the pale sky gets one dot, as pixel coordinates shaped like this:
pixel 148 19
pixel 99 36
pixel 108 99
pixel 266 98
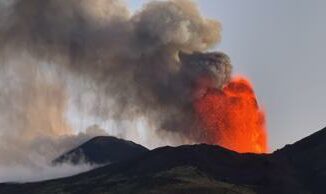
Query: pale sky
pixel 281 46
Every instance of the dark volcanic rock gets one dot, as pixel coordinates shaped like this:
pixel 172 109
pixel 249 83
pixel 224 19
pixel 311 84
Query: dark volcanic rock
pixel 204 169
pixel 102 150
pixel 295 169
pixel 308 157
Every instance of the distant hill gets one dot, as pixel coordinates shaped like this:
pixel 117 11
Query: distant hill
pixel 203 169
pixel 102 150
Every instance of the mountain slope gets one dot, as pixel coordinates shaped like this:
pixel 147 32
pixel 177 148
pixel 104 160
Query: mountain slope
pixel 202 168
pixel 308 157
pixel 297 169
pixel 174 181
pixel 102 150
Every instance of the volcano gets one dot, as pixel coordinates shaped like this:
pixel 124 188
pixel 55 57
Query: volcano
pixel 297 168
pixel 101 150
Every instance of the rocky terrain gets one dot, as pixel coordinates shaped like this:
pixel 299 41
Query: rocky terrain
pixel 101 150
pixel 298 168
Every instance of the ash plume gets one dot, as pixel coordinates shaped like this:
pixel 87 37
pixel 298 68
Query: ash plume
pixel 106 63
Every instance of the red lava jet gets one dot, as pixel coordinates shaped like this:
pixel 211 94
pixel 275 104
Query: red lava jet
pixel 232 118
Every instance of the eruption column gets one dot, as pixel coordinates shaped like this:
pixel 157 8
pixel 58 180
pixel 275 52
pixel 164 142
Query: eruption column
pixel 231 117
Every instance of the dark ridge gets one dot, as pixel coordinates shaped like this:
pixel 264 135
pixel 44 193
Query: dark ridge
pixel 102 150
pixel 308 143
pixel 295 169
pixel 308 157
pixel 211 163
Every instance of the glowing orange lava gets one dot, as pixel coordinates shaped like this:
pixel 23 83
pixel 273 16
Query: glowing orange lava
pixel 232 118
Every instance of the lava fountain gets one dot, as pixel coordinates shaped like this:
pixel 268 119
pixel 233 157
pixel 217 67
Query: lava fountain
pixel 232 118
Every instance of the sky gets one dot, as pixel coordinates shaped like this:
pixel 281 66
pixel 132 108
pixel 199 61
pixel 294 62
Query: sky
pixel 281 46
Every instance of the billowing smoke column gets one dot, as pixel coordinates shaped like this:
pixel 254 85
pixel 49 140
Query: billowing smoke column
pixel 143 65
pixel 137 62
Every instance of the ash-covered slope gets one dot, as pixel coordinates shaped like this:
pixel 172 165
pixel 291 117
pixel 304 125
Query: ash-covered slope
pixel 102 150
pixel 298 168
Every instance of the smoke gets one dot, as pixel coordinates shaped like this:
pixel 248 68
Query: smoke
pixel 41 172
pixel 34 128
pixel 98 61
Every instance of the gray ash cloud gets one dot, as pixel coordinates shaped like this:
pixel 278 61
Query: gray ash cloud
pixel 143 64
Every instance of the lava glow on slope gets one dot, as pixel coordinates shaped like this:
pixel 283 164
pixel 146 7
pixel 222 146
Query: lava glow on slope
pixel 232 118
